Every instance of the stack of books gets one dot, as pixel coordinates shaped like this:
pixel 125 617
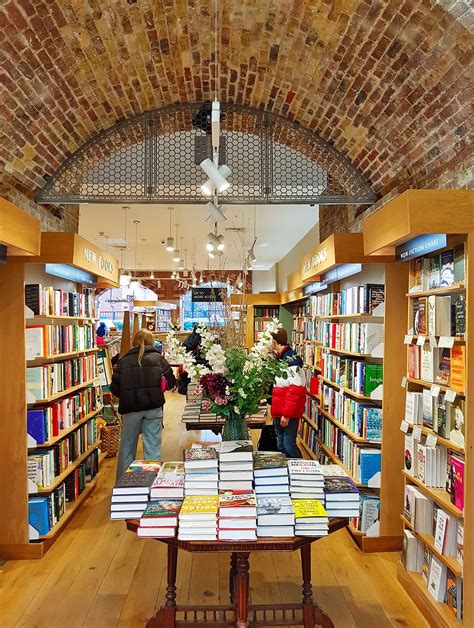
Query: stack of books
pixel 236 465
pixel 237 516
pixel 169 483
pixel 270 471
pixel 198 518
pixel 342 497
pixel 200 471
pixel 160 519
pixel 310 518
pixel 275 516
pixel 306 479
pixel 131 492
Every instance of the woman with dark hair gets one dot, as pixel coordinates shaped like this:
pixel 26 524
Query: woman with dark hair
pixel 192 344
pixel 139 381
pixel 288 397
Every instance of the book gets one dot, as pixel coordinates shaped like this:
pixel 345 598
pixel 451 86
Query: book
pixel 278 531
pixel 156 532
pixel 332 470
pixel 370 461
pixel 275 510
pixel 439 316
pixel 369 511
pixel 446 269
pixel 340 489
pixel 443 373
pixel 38 514
pixel 458 367
pixel 440 531
pixel 238 505
pixel 454 591
pixel 437 579
pixel 37 425
pixel 421 274
pixel 459 265
pixel 299 468
pixel 457 465
pixel 269 464
pixel 460 542
pixel 34 343
pixel 169 485
pixel 199 507
pixel 459 315
pixel 224 534
pixel 174 468
pixel 374 296
pixel 410 455
pixel 373 378
pixel 455 427
pixel 412 552
pixel 435 272
pixel 308 509
pixel 419 316
pixel 234 450
pixel 200 457
pixel 426 564
pixel 161 513
pixel 145 465
pixel 135 482
pixel 373 424
pixel 428 403
pixel 429 356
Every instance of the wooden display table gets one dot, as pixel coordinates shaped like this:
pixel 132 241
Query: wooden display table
pixel 239 613
pixel 216 423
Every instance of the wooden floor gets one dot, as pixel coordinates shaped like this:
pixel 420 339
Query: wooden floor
pixel 99 574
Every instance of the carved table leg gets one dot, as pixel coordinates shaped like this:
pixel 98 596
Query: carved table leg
pixel 312 613
pixel 166 616
pixel 242 589
pixel 232 577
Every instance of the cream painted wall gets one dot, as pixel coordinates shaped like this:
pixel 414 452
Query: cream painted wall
pixel 264 280
pixel 292 261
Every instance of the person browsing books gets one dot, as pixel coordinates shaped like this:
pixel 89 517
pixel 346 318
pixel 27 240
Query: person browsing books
pixel 139 381
pixel 288 397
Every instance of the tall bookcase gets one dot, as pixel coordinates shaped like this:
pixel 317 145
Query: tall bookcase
pixel 259 308
pixel 400 228
pixel 57 333
pixel 322 435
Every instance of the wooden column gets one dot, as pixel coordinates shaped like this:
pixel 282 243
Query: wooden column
pixel 125 343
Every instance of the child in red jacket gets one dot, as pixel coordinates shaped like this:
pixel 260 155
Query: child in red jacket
pixel 288 397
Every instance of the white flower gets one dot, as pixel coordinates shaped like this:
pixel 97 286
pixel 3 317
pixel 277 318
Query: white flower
pixel 242 393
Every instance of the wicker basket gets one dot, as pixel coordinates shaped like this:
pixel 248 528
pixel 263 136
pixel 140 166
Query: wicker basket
pixel 111 432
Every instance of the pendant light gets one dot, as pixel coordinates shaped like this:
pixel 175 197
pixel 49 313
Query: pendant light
pixel 169 240
pixel 251 251
pixel 125 276
pixel 176 255
pixel 135 284
pixel 181 259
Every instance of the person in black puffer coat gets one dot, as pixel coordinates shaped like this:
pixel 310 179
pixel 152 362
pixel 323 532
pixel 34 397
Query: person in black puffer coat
pixel 139 381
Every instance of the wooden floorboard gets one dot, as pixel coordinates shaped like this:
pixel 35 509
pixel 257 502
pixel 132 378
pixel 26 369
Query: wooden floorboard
pixel 100 575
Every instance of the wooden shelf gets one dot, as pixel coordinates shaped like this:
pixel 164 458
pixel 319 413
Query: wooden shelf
pixel 428 539
pixel 50 317
pixel 349 317
pixel 438 495
pixel 60 356
pixel 60 478
pixel 436 291
pixel 63 393
pixel 442 441
pixel 348 391
pixel 71 509
pixel 66 431
pixel 311 422
pixel 351 353
pixel 346 430
pixel 459 340
pixel 421 382
pixel 313 395
pixel 437 613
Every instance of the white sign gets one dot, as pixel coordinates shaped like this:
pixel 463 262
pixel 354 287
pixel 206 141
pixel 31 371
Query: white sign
pixel 450 395
pixel 435 390
pixel 417 432
pixel 421 340
pixel 431 440
pixel 317 259
pixel 433 341
pixel 408 339
pixel 93 258
pixel 404 382
pixel 404 426
pixel 446 342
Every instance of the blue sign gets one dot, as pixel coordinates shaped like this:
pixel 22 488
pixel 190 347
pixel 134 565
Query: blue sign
pixel 314 287
pixel 64 271
pixel 420 246
pixel 338 273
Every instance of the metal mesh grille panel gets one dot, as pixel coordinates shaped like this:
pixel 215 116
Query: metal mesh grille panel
pixel 155 156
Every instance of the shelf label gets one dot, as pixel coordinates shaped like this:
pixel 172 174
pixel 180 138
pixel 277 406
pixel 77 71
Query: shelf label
pixel 408 339
pixel 404 426
pixel 404 382
pixel 450 395
pixel 417 432
pixel 435 390
pixel 421 340
pixel 446 342
pixel 431 440
pixel 433 341
pixel 426 243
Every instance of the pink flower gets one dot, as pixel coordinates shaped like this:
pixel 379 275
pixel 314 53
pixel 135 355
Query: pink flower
pixel 206 405
pixel 221 401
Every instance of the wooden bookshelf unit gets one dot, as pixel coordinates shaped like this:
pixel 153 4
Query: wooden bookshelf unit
pixel 431 232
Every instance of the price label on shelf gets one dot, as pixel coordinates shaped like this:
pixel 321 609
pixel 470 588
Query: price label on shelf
pixel 446 342
pixel 431 440
pixel 404 426
pixel 408 339
pixel 435 390
pixel 404 382
pixel 433 341
pixel 450 395
pixel 417 432
pixel 421 340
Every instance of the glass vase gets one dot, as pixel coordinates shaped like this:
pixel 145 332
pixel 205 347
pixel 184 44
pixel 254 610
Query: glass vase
pixel 235 427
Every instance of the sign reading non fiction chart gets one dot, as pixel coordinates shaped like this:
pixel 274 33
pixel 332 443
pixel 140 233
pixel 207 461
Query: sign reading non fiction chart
pixel 64 271
pixel 206 295
pixel 420 246
pixel 316 286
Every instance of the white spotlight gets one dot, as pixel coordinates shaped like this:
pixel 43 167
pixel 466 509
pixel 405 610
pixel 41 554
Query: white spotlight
pixel 181 264
pixel 216 242
pixel 216 212
pixel 176 255
pixel 252 255
pixel 170 244
pixel 217 177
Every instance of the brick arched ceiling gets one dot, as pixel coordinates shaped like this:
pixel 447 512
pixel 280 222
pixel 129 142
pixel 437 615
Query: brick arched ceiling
pixel 386 82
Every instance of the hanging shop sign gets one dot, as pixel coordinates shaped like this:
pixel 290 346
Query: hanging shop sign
pixel 64 271
pixel 313 288
pixel 205 295
pixel 340 272
pixel 420 246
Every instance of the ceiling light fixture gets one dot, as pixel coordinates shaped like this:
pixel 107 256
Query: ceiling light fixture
pixel 216 242
pixel 217 181
pixel 176 255
pixel 125 276
pixel 216 212
pixel 181 264
pixel 169 239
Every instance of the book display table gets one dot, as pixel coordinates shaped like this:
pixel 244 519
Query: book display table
pixel 239 612
pixel 216 423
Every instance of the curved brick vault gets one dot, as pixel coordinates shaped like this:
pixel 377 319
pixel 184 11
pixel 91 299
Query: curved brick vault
pixel 386 82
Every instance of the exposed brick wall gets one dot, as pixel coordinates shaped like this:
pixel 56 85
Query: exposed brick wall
pixel 386 82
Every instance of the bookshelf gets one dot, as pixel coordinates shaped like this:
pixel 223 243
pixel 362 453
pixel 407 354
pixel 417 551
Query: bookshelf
pixel 422 227
pixel 334 311
pixel 50 442
pixel 258 309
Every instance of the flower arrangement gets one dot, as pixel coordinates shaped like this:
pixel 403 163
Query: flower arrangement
pixel 232 381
